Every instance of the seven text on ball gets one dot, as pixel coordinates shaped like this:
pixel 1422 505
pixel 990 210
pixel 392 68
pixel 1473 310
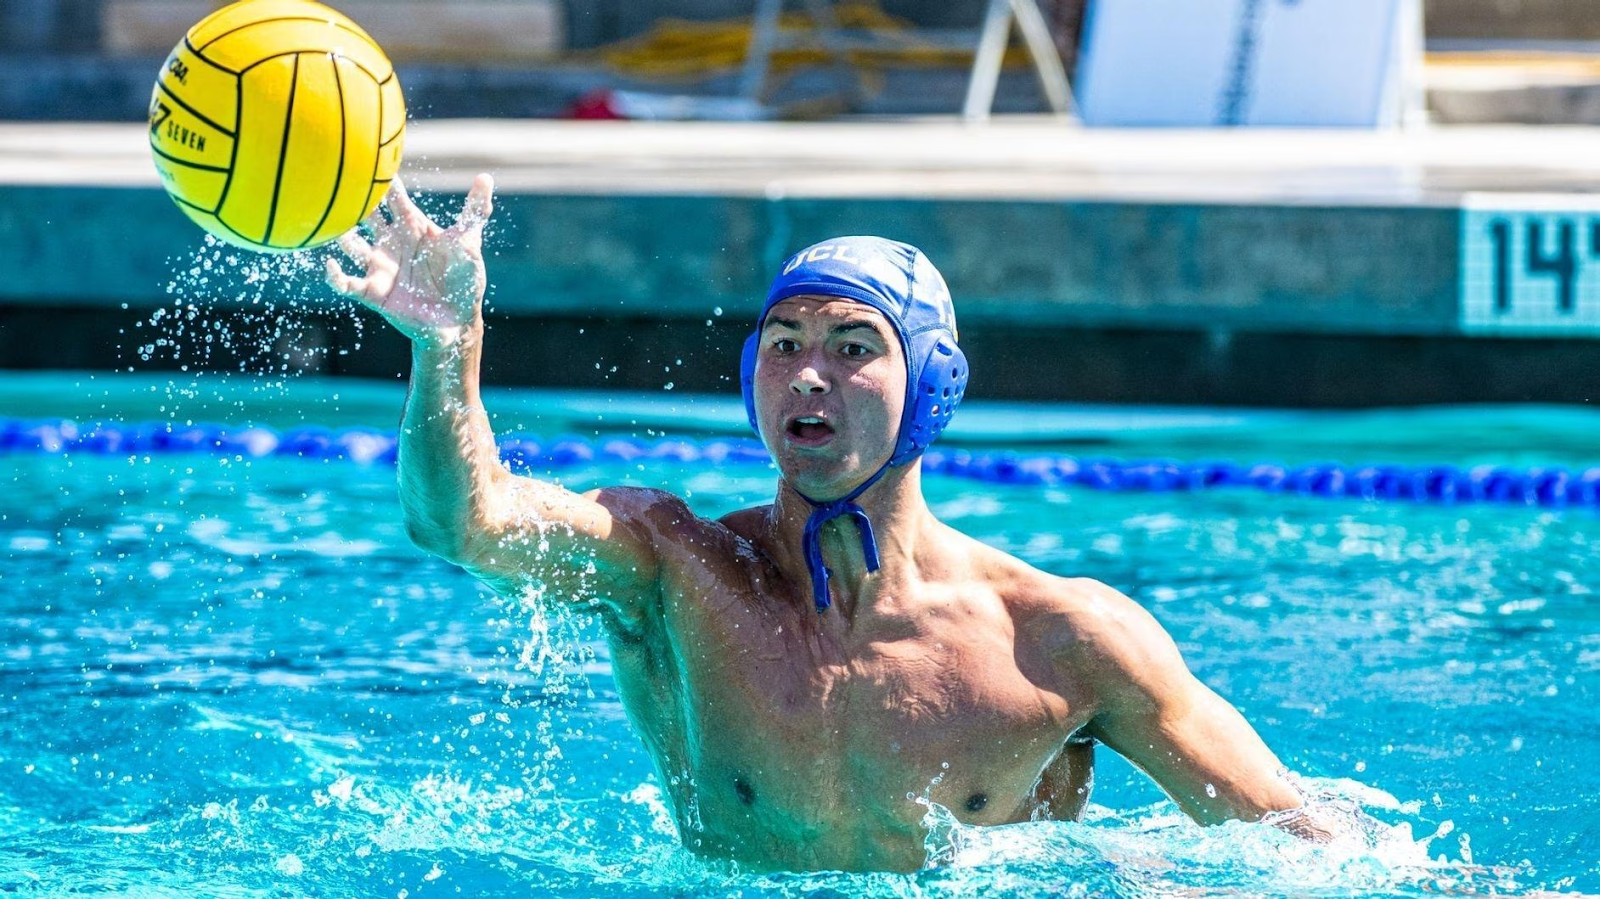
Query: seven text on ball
pixel 182 135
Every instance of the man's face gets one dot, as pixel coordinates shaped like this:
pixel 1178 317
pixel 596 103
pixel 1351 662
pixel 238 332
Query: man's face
pixel 830 384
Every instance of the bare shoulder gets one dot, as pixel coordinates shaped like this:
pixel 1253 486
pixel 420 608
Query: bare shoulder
pixel 1087 629
pixel 677 532
pixel 1048 599
pixel 700 561
pixel 747 523
pixel 638 504
pixel 663 519
pixel 743 534
pixel 1096 615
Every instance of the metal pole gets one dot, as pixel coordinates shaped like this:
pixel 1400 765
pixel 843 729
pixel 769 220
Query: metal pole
pixel 763 37
pixel 1413 86
pixel 1046 61
pixel 986 63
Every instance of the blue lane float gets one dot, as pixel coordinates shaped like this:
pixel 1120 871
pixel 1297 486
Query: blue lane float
pixel 1548 487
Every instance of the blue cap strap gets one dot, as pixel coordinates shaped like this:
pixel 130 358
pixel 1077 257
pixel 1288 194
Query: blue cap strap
pixel 811 541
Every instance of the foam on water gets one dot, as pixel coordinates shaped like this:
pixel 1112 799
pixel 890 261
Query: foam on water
pixel 358 833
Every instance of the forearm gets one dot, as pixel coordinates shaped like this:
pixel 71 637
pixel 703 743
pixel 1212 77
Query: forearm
pixel 461 503
pixel 1214 764
pixel 449 465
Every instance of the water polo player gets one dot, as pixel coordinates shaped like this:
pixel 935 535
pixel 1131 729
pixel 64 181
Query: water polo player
pixel 803 672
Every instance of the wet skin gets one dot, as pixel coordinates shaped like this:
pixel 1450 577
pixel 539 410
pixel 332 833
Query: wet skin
pixel 955 674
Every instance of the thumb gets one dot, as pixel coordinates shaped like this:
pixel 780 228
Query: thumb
pixel 478 207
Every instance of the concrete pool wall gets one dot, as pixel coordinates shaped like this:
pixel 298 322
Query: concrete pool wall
pixel 1268 268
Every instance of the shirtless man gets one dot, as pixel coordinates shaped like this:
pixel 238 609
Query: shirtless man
pixel 801 672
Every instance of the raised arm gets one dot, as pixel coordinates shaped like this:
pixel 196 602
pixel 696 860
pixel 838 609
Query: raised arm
pixel 1191 742
pixel 460 501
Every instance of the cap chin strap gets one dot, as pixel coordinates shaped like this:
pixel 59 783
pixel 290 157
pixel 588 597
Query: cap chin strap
pixel 811 542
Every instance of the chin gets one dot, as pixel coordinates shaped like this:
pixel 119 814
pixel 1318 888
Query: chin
pixel 823 478
pixel 816 481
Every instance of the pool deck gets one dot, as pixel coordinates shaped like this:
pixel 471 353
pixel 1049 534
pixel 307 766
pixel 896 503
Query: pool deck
pixel 1016 158
pixel 1194 242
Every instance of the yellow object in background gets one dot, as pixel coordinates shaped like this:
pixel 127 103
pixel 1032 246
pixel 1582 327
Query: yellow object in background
pixel 678 48
pixel 277 125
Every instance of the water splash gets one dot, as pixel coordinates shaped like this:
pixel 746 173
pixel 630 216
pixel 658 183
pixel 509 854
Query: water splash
pixel 252 312
pixel 1156 850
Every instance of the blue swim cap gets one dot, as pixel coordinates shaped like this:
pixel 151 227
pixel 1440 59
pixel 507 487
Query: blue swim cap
pixel 898 281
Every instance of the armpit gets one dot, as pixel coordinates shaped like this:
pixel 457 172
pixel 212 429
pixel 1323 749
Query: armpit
pixel 1064 787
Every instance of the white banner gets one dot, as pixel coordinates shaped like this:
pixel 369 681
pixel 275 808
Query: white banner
pixel 1249 62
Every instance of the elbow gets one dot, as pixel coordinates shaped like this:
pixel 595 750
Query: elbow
pixel 449 544
pixel 442 526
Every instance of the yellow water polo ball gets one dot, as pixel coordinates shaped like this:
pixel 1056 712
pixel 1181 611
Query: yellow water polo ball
pixel 277 124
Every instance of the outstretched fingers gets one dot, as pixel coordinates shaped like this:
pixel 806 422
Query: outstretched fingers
pixel 356 247
pixel 347 285
pixel 399 203
pixel 362 253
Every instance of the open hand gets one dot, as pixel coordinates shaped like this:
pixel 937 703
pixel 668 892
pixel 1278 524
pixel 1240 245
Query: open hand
pixel 425 280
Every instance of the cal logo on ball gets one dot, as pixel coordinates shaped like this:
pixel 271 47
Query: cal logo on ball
pixel 277 124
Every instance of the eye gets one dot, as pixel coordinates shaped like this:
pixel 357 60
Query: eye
pixel 785 345
pixel 854 350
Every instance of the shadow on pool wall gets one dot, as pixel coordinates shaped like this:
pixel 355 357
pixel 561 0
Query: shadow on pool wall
pixel 1009 361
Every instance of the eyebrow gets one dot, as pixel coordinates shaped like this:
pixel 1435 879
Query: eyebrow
pixel 844 328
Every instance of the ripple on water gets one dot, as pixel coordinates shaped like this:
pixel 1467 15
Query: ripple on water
pixel 245 682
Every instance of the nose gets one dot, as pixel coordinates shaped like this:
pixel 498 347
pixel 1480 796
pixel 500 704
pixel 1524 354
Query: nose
pixel 808 381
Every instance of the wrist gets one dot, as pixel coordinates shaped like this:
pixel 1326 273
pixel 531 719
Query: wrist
pixel 452 339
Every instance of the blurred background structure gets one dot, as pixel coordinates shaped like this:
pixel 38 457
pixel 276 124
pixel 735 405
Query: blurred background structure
pixel 91 59
pixel 1524 61
pixel 1430 241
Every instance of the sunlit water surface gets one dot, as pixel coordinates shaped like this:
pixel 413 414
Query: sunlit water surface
pixel 230 678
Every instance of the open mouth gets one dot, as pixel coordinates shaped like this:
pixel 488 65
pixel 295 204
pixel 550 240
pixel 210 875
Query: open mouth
pixel 809 430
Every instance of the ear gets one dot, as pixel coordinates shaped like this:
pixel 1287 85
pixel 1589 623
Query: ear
pixel 941 384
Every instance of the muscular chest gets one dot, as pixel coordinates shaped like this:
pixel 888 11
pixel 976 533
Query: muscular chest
pixel 786 739
pixel 808 738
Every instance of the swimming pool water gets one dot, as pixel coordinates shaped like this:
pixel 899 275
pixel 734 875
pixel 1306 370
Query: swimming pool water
pixel 231 678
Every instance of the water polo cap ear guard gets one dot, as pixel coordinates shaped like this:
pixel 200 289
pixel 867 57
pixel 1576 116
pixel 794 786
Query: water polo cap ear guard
pixel 898 281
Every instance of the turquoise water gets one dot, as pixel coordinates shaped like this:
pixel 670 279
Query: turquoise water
pixel 230 678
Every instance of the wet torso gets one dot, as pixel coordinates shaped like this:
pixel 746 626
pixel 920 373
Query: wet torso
pixel 787 742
